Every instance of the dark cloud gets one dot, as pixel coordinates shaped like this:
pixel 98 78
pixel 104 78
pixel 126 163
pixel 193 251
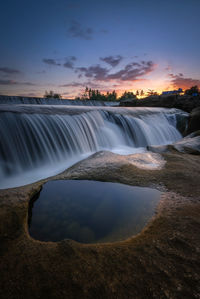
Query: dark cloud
pixel 13 82
pixel 76 30
pixel 96 72
pixel 51 61
pixel 133 70
pixel 90 84
pixel 130 72
pixel 73 84
pixel 179 81
pixel 168 68
pixel 7 82
pixel 9 71
pixel 93 85
pixel 41 72
pixel 70 62
pixel 105 31
pixel 112 60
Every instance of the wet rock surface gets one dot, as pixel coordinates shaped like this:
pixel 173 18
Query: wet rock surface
pixel 190 145
pixel 161 262
pixel 194 121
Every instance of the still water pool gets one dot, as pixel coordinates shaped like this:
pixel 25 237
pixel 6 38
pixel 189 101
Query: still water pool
pixel 90 211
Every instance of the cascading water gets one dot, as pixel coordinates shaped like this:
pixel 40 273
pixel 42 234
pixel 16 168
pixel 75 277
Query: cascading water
pixel 34 146
pixel 51 101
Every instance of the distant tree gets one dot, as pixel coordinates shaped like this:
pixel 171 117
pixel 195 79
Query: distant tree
pixel 90 93
pixel 128 95
pixel 151 92
pixel 111 96
pixel 57 96
pixel 142 93
pixel 192 90
pixel 85 94
pixel 137 93
pixel 114 95
pixel 51 94
pixel 95 94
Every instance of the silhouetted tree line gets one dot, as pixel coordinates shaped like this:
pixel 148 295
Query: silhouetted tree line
pixel 51 94
pixel 151 92
pixel 194 90
pixel 95 94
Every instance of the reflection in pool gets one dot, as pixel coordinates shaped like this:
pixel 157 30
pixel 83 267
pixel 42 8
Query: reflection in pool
pixel 90 211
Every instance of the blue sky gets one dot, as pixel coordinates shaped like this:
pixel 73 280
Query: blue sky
pixel 64 45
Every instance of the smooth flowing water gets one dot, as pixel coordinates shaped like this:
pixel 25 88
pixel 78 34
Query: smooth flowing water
pixel 39 142
pixel 90 211
pixel 12 100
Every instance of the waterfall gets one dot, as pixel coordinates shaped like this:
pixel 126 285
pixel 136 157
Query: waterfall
pixel 34 146
pixel 51 101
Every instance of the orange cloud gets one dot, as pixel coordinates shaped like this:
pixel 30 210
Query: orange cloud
pixel 179 81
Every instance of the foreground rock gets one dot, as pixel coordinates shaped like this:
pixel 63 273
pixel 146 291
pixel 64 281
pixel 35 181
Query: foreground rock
pixel 194 121
pixel 190 145
pixel 161 262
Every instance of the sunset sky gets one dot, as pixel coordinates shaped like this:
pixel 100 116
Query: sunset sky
pixel 64 45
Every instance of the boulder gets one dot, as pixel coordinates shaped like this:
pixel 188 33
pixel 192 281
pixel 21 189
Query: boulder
pixel 194 121
pixel 187 145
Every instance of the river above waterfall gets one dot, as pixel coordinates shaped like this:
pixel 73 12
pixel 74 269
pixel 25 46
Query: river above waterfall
pixel 90 211
pixel 38 141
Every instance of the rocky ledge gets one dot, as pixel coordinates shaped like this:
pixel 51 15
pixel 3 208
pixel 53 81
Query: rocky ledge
pixel 186 102
pixel 189 144
pixel 160 262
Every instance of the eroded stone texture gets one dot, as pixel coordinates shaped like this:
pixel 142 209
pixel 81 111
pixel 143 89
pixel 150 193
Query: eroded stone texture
pixel 189 144
pixel 161 262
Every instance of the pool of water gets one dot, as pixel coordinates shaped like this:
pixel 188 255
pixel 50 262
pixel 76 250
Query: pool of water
pixel 90 211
